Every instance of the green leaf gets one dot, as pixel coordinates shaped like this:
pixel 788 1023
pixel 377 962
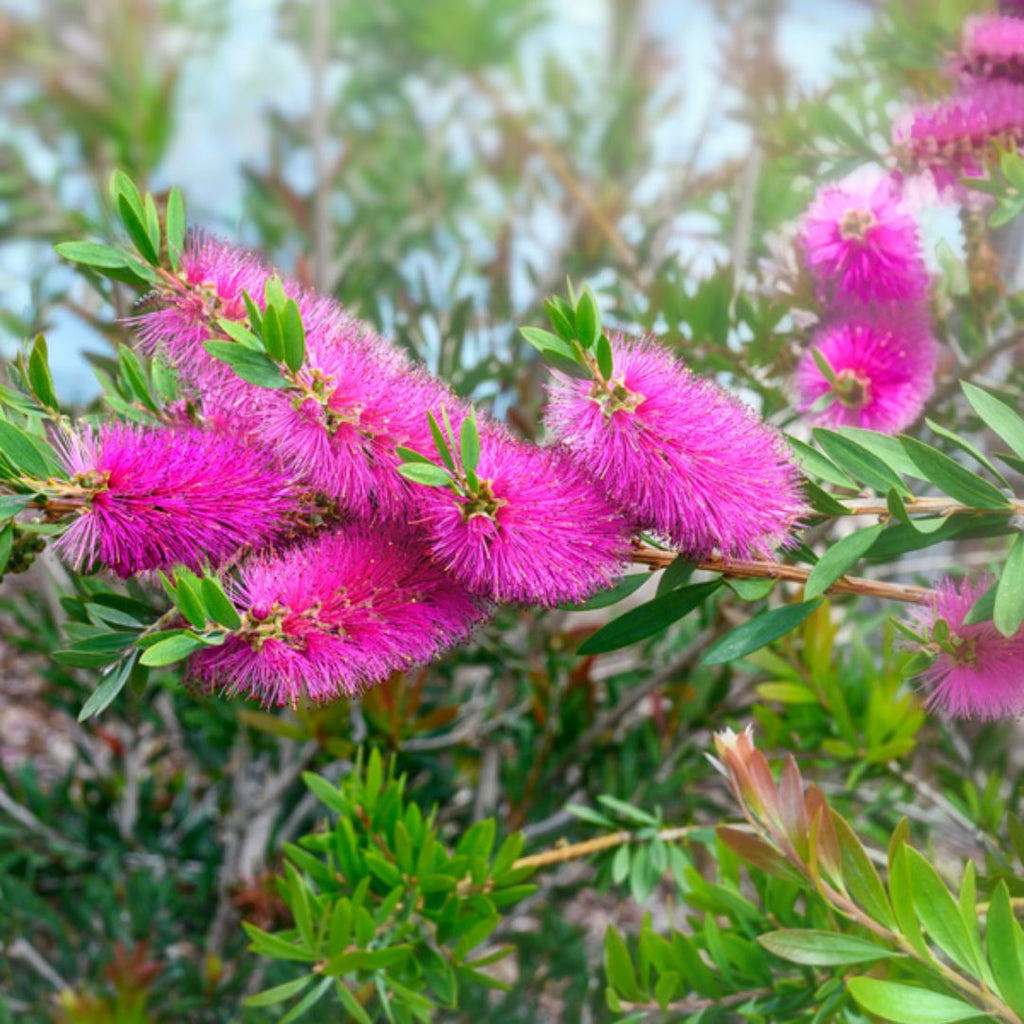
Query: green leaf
pixel 813 462
pixel 626 586
pixel 588 319
pixel 105 694
pixel 6 544
pixel 12 504
pixel 294 336
pixel 821 948
pixel 760 630
pixel 887 448
pixel 135 224
pixel 859 874
pixel 278 994
pixel 605 360
pixel 347 999
pixel 221 610
pixel 441 442
pixel 172 649
pixel 309 1000
pixel 997 416
pixel 273 334
pixel 39 374
pixel 908 1004
pixel 253 367
pixel 938 912
pixel 984 608
pixel 547 343
pixel 967 446
pixel 953 479
pixel 676 574
pixel 860 463
pixel 174 223
pixel 469 443
pixel 425 473
pixel 647 619
pixel 23 452
pixel 92 254
pixel 559 313
pixel 1008 610
pixel 619 966
pixel 839 559
pixel 131 370
pixel 240 333
pixel 1005 949
pixel 188 601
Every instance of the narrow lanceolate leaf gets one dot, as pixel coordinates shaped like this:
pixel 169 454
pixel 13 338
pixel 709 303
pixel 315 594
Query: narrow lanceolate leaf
pixel 218 604
pixel 938 912
pixel 469 443
pixel 839 559
pixel 908 1004
pixel 621 590
pixel 967 446
pixel 253 367
pixel 861 464
pixel 953 479
pixel 135 224
pixel 998 416
pixel 22 452
pixel 605 360
pixel 294 336
pixel 105 694
pixel 859 874
pixel 92 254
pixel 273 335
pixel 425 473
pixel 547 343
pixel 760 630
pixel 39 375
pixel 173 649
pixel 619 966
pixel 440 442
pixel 813 462
pixel 588 320
pixel 278 994
pixel 648 619
pixel 174 223
pixel 901 893
pixel 821 948
pixel 1008 610
pixel 1006 949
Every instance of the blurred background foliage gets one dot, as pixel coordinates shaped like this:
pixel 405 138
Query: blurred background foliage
pixel 441 166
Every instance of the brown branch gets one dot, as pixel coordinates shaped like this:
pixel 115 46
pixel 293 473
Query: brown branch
pixel 695 1005
pixel 758 570
pixel 933 507
pixel 559 854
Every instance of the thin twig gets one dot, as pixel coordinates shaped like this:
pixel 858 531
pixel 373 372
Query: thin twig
pixel 696 1005
pixel 559 854
pixel 739 569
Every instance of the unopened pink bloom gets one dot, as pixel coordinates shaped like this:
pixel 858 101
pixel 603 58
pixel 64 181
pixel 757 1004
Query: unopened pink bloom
pixel 156 498
pixel 679 455
pixel 884 374
pixel 539 532
pixel 978 673
pixel 953 137
pixel 861 243
pixel 333 616
pixel 993 46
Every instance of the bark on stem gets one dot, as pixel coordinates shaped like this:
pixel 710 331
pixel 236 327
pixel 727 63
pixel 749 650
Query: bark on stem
pixel 573 851
pixel 905 592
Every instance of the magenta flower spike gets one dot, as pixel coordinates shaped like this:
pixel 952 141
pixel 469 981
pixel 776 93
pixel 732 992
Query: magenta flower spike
pixel 342 442
pixel 335 615
pixel 992 46
pixel 152 498
pixel 882 375
pixel 861 244
pixel 977 672
pixel 536 530
pixel 953 137
pixel 678 455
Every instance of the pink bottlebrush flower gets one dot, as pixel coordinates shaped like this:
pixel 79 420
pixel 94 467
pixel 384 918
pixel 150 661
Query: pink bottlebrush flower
pixel 954 136
pixel 862 244
pixel 977 673
pixel 335 615
pixel 342 441
pixel 537 531
pixel 883 375
pixel 151 498
pixel 993 46
pixel 678 454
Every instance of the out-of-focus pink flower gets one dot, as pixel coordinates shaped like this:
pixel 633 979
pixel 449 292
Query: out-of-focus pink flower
pixel 977 673
pixel 678 455
pixel 993 46
pixel 953 137
pixel 151 498
pixel 862 244
pixel 333 616
pixel 883 373
pixel 537 531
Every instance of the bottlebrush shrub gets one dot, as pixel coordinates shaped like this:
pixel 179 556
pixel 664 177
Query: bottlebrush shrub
pixel 321 514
